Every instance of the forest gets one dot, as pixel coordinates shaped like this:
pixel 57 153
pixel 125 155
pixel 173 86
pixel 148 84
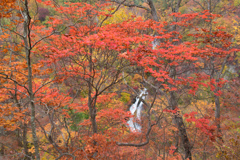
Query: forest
pixel 119 79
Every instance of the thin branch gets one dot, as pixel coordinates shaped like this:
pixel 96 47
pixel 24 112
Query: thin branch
pixel 157 88
pixel 13 32
pixel 199 4
pixel 214 6
pixel 15 151
pixel 6 77
pixel 42 86
pixel 120 3
pixel 132 5
pixel 223 66
pixel 69 135
pixel 66 154
pixel 15 90
pixel 54 33
pixel 48 136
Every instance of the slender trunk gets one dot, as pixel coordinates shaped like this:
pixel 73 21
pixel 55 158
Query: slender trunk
pixel 24 127
pixel 209 5
pixel 181 127
pixel 27 43
pixel 184 138
pixel 164 143
pixel 2 150
pixel 34 134
pixel 179 121
pixel 25 142
pixel 91 100
pixel 173 101
pixel 216 98
pixel 92 112
pixel 210 8
pixel 217 109
pixel 177 140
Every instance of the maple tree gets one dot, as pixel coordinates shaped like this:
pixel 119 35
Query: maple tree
pixel 69 78
pixel 223 51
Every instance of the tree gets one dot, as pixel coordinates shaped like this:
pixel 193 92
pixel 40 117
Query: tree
pixel 17 73
pixel 72 76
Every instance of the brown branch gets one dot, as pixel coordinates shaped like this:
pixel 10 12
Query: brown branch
pixel 199 4
pixel 43 86
pixel 54 32
pixel 6 77
pixel 132 5
pixel 17 153
pixel 157 89
pixel 120 3
pixel 48 136
pixel 66 154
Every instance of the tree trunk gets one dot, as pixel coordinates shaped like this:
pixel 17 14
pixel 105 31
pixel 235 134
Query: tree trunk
pixel 217 105
pixel 23 139
pixel 25 142
pixel 153 10
pixel 2 150
pixel 27 43
pixel 181 127
pixel 91 100
pixel 92 112
pixel 173 101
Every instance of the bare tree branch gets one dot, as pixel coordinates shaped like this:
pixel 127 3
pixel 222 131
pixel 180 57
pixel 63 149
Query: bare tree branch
pixel 199 4
pixel 113 12
pixel 6 77
pixel 66 154
pixel 132 5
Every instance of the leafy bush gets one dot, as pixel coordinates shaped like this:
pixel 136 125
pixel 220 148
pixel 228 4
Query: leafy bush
pixel 43 12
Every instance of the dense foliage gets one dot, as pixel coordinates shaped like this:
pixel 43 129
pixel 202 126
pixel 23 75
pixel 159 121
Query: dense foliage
pixel 70 70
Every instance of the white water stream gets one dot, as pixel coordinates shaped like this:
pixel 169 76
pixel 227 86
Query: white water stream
pixel 137 106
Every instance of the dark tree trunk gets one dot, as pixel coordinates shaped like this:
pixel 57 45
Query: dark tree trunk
pixel 181 127
pixel 91 100
pixel 173 101
pixel 27 43
pixel 153 10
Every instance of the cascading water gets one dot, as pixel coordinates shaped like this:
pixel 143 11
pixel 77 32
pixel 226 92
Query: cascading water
pixel 137 106
pixel 133 123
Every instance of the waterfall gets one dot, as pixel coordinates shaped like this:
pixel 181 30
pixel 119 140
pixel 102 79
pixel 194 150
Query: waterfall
pixel 133 122
pixel 155 43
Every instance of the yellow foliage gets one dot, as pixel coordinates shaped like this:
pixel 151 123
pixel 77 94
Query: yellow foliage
pixel 125 97
pixel 32 149
pixel 236 2
pixel 236 32
pixel 121 15
pixel 137 77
